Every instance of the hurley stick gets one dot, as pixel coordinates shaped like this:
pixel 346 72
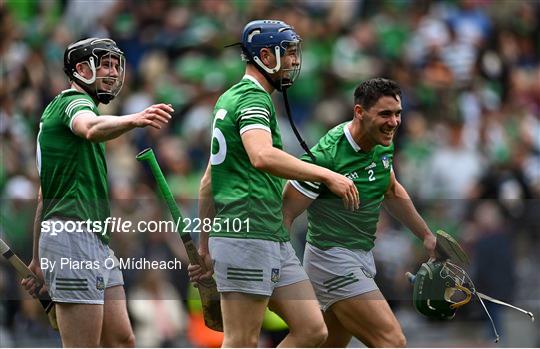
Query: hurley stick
pixel 23 272
pixel 207 288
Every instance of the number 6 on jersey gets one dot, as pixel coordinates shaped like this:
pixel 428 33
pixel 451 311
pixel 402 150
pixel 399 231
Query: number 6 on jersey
pixel 219 157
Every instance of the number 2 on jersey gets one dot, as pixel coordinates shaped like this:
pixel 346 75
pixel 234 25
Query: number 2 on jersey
pixel 371 175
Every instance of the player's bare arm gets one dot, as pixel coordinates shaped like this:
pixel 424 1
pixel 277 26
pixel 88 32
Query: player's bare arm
pixel 29 283
pixel 264 157
pixel 206 210
pixel 294 203
pixel 399 204
pixel 105 127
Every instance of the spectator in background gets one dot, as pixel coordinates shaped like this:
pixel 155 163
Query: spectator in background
pixel 158 313
pixel 454 167
pixel 494 263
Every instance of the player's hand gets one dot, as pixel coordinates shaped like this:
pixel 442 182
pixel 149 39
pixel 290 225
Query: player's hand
pixel 196 273
pixel 35 287
pixel 430 241
pixel 157 116
pixel 345 189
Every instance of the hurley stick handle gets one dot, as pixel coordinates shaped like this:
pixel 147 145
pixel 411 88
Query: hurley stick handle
pixel 148 156
pixel 24 272
pixel 207 288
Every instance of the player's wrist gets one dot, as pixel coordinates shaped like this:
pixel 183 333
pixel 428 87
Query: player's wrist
pixel 429 241
pixel 325 176
pixel 34 262
pixel 133 120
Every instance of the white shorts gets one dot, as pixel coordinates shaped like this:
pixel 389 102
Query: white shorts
pixel 254 266
pixel 339 273
pixel 77 266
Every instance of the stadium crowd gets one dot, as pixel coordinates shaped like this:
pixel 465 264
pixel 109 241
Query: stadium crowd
pixel 468 151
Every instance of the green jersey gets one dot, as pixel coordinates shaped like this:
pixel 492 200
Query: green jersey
pixel 72 170
pixel 247 201
pixel 330 224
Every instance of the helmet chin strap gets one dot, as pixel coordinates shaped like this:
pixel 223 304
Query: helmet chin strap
pixel 93 68
pixel 270 70
pixel 293 126
pixel 281 87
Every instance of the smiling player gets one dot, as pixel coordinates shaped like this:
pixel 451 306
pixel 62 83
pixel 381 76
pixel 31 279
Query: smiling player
pixel 338 257
pixel 90 302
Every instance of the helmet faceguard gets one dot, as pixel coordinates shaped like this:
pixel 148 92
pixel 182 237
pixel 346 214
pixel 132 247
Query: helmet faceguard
pixel 439 290
pixel 441 287
pixel 97 54
pixel 280 38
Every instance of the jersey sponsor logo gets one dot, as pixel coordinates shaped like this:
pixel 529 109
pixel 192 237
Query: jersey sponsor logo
pixel 100 283
pixel 275 275
pixel 372 165
pixel 352 175
pixel 385 161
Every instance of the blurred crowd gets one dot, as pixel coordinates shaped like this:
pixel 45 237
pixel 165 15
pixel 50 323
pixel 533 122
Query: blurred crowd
pixel 468 150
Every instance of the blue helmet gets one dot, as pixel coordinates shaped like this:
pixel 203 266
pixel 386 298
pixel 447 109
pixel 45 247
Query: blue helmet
pixel 272 34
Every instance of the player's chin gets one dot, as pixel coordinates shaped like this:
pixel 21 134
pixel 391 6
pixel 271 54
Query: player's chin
pixel 386 140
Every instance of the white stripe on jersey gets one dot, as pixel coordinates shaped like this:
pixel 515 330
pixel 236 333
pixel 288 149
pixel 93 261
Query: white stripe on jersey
pixel 253 115
pixel 301 189
pixel 256 109
pixel 78 103
pixel 71 107
pixel 255 126
pixel 313 185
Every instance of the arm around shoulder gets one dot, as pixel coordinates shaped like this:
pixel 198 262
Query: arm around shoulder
pixel 265 157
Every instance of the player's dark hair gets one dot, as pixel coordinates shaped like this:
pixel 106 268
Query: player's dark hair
pixel 369 91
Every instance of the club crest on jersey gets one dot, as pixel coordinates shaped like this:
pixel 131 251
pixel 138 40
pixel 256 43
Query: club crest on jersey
pixel 385 161
pixel 100 283
pixel 275 275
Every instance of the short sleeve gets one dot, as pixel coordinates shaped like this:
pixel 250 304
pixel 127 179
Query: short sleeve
pixel 75 107
pixel 254 112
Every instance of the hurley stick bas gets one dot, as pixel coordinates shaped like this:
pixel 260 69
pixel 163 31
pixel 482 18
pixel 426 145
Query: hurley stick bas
pixel 207 288
pixel 23 272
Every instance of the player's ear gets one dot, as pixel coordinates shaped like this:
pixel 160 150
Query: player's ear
pixel 358 111
pixel 266 56
pixel 82 68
